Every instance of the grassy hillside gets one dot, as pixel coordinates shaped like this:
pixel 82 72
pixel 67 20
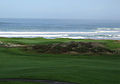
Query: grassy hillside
pixel 80 69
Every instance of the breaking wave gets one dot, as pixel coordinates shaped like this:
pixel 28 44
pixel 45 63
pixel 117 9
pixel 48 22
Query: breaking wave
pixel 74 35
pixel 109 29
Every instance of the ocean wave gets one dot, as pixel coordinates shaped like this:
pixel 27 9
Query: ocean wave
pixel 118 29
pixel 32 36
pixel 54 33
pixel 106 31
pixel 72 35
pixel 79 37
pixel 45 32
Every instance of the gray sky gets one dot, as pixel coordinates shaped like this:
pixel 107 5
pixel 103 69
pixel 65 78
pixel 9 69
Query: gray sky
pixel 61 9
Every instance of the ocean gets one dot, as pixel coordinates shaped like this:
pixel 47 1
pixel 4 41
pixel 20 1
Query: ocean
pixel 60 28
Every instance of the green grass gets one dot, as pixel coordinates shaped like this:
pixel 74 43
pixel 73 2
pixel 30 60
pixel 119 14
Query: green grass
pixel 81 69
pixel 71 68
pixel 19 83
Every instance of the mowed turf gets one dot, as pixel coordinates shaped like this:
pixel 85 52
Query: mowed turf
pixel 80 69
pixel 20 83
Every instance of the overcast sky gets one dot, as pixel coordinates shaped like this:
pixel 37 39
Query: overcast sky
pixel 61 9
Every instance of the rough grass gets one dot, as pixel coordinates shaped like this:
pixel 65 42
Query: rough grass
pixel 71 48
pixel 29 41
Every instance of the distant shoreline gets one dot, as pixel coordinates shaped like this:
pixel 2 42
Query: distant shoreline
pixel 74 38
pixel 71 35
